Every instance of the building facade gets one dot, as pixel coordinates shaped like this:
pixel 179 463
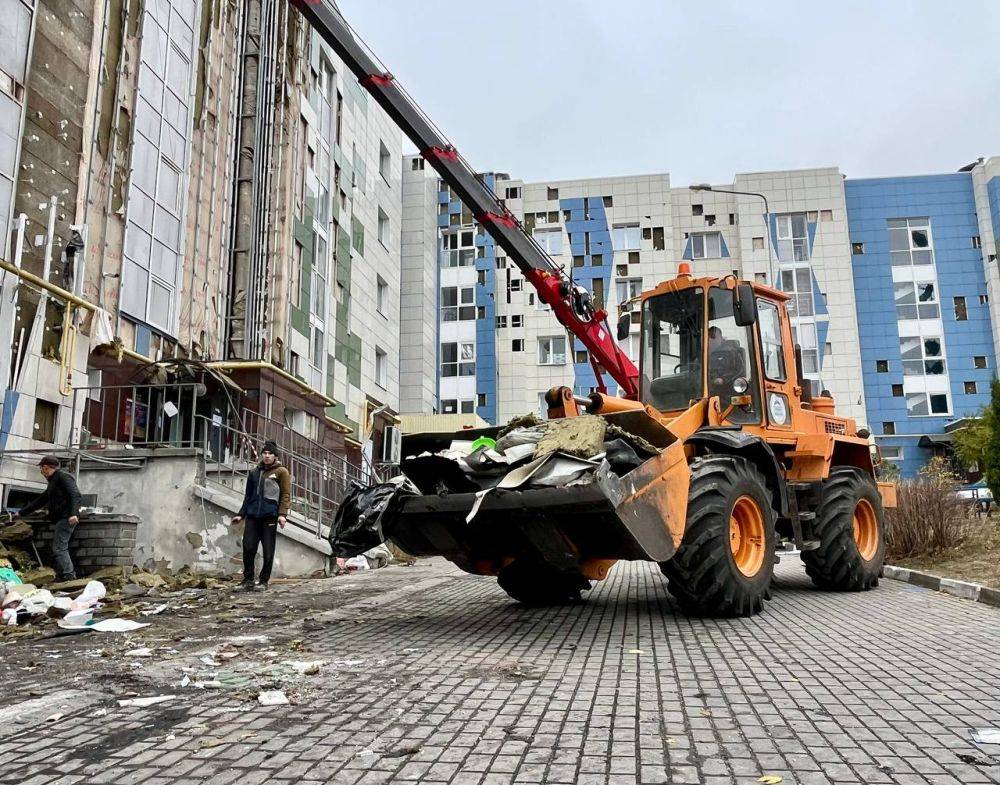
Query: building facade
pixel 822 238
pixel 197 193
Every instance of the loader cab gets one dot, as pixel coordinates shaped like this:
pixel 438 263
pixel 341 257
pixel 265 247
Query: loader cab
pixel 698 341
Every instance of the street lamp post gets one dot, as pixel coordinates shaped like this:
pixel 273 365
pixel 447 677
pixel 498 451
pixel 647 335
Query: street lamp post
pixel 767 220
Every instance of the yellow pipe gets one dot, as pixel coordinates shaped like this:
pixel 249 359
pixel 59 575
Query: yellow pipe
pixel 41 283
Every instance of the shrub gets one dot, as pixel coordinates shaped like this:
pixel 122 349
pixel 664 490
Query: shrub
pixel 929 517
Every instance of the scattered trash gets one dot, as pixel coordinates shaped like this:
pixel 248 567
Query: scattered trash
pixel 155 611
pixel 209 742
pixel 305 668
pixel 139 653
pixel 272 698
pixel 100 713
pixel 770 779
pixel 150 701
pixel 357 563
pixel 358 523
pixel 636 651
pixel 107 625
pixel 399 752
pixel 974 760
pixel 53 717
pixel 985 735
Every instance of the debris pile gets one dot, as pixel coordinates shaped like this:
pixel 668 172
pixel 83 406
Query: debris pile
pixel 527 453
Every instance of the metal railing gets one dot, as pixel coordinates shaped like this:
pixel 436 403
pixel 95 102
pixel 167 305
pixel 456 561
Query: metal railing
pixel 318 486
pixel 138 415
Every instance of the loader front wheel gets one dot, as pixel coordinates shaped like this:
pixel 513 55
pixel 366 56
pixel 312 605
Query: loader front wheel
pixel 537 584
pixel 850 527
pixel 725 562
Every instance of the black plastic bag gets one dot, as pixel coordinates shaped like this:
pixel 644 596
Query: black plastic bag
pixel 364 519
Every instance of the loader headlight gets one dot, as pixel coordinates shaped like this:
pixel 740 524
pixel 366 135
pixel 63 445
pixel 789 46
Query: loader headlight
pixel 777 406
pixel 740 385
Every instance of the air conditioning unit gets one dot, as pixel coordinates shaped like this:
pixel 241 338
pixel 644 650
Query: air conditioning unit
pixel 392 444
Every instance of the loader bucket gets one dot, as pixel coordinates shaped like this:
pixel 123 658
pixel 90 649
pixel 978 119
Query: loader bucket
pixel 639 515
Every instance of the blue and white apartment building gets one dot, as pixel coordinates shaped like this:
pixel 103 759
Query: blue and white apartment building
pixel 894 286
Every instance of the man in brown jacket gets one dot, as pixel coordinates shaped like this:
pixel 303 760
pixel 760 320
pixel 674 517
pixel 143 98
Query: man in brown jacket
pixel 265 507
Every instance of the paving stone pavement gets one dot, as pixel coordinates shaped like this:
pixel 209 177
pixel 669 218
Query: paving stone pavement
pixel 456 684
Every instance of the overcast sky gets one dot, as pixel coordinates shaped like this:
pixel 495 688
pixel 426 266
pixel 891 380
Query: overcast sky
pixel 559 89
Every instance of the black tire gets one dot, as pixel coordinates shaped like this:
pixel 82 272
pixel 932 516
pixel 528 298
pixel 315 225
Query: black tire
pixel 703 574
pixel 838 564
pixel 537 584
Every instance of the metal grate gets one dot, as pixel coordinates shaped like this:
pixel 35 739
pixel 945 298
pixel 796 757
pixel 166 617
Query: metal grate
pixel 835 427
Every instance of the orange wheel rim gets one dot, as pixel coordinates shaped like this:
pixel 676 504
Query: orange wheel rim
pixel 746 535
pixel 866 529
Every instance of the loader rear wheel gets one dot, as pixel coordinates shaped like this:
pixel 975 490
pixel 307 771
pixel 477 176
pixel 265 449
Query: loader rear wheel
pixel 725 562
pixel 850 527
pixel 537 584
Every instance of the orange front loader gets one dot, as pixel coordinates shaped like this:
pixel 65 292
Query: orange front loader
pixel 743 458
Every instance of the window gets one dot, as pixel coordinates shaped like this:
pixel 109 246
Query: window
pixel 916 300
pixel 381 368
pixel 457 304
pixel 318 343
pixel 979 361
pixel 580 356
pixel 628 288
pixel 984 299
pixel 881 366
pixel 626 237
pixel 706 246
pixel 381 294
pixel 512 192
pixel 812 216
pixel 609 201
pixel 961 312
pixel 977 241
pixel 501 322
pixel 480 312
pixel 46 415
pixel 758 243
pixel 732 219
pixel 317 287
pixel 383 227
pixel 770 339
pixel 889 428
pixel 858 249
pixel 659 241
pixel 798 283
pixel 793 238
pixel 922 404
pixel 552 193
pixel 910 242
pixel 970 388
pixel 551 240
pixel 826 215
pixel 697 209
pixel 517 320
pixel 891 453
pixel 922 356
pixel 515 284
pixel 517 345
pixel 805 336
pixel 458 359
pixel 481 399
pixel 458 249
pixel 468 407
pixel 384 161
pixel 417 164
pixel 552 350
pixel 897 391
pixel 295 284
pixel 449 406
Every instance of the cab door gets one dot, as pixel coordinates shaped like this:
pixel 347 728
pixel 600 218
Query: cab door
pixel 777 375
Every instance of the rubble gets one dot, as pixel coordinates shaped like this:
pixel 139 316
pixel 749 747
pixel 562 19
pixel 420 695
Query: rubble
pixel 581 437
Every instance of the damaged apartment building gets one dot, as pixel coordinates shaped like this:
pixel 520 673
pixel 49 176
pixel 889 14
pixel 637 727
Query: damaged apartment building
pixel 205 224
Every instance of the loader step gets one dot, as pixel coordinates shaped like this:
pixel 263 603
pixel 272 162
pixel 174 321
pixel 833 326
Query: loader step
pixel 807 516
pixel 810 545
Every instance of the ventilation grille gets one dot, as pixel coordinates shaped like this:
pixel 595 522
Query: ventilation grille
pixel 832 426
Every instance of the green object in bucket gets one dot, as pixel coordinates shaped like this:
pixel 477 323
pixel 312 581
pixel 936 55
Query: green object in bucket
pixel 483 441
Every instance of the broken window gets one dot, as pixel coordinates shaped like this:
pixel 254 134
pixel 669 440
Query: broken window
pixel 517 345
pixel 580 356
pixel 381 367
pixel 889 428
pixel 858 249
pixel 512 192
pixel 515 284
pixel 910 242
pixel 970 388
pixel 551 240
pixel 383 227
pixel 384 161
pixel 552 193
pixel 481 399
pixel 976 241
pixel 458 359
pixel 697 209
pixel 381 295
pixel 793 239
pixel 609 201
pixel 517 320
pixel 732 219
pixel 811 216
pixel 757 243
pixel 46 415
pixel 552 350
pixel 710 220
pixel 984 299
pixel 417 164
pixel 826 215
pixel 961 312
pixel 501 322
pixel 633 257
pixel 659 242
pixel 881 366
pixel 979 361
pixel 897 391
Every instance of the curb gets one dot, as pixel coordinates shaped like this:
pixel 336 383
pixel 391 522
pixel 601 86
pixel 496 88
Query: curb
pixel 960 589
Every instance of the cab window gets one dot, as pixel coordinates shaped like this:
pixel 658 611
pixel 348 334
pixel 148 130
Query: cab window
pixel 770 340
pixel 731 369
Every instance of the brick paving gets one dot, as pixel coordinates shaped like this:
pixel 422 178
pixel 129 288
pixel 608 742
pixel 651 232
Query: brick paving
pixel 456 684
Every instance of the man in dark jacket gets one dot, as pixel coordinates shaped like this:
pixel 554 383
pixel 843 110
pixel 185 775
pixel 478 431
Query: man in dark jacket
pixel 265 507
pixel 62 498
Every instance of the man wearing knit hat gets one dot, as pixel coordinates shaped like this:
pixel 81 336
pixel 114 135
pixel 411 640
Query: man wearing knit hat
pixel 265 508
